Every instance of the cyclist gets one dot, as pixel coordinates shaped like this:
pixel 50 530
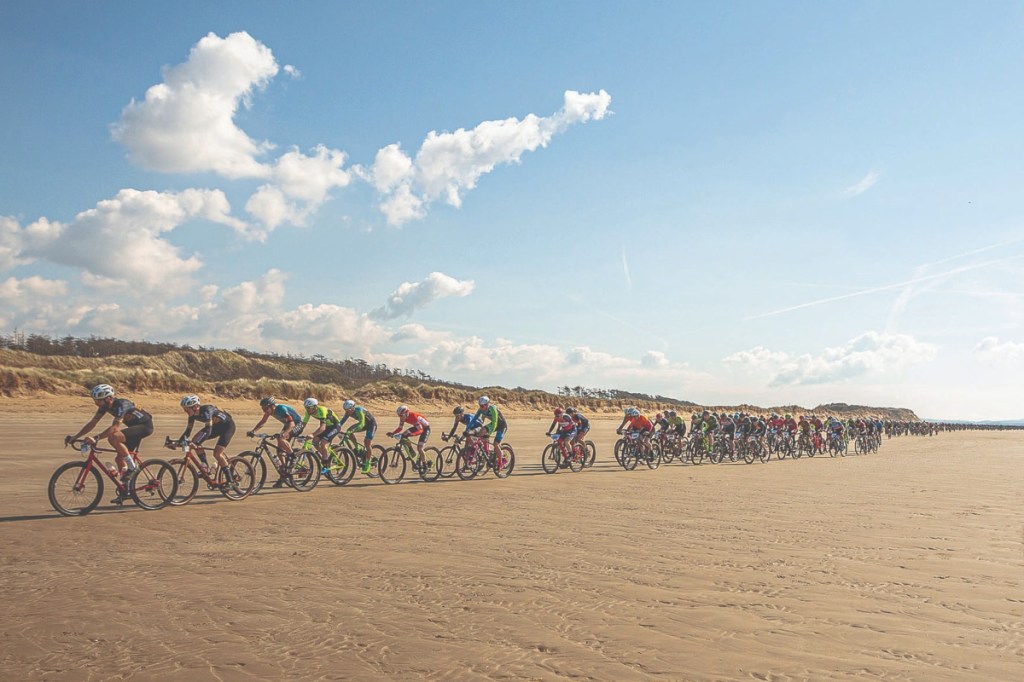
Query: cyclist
pixel 330 425
pixel 291 426
pixel 216 424
pixel 461 417
pixel 419 426
pixel 496 423
pixel 835 429
pixel 565 428
pixel 709 427
pixel 366 423
pixel 677 425
pixel 638 423
pixel 728 427
pixel 582 423
pixel 131 424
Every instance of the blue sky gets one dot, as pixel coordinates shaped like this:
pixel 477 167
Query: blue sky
pixel 766 203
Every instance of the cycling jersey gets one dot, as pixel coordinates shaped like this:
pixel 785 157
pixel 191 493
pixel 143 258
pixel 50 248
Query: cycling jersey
pixel 285 413
pixel 124 410
pixel 563 425
pixel 470 420
pixel 640 423
pixel 216 422
pixel 364 420
pixel 323 414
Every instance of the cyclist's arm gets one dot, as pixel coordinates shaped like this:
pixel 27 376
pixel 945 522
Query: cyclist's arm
pixel 87 428
pixel 188 429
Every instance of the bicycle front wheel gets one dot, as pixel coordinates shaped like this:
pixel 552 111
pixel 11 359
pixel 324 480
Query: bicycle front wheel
pixel 188 482
pixel 259 467
pixel 549 458
pixel 241 482
pixel 75 490
pixel 430 467
pixel 153 484
pixel 576 458
pixel 341 466
pixel 591 454
pixel 304 471
pixel 449 456
pixel 391 467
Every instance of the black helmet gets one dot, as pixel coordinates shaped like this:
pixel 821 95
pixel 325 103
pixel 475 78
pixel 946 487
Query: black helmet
pixel 268 401
pixel 458 410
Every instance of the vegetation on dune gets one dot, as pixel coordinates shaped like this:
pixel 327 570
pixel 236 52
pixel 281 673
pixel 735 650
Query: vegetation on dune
pixel 37 364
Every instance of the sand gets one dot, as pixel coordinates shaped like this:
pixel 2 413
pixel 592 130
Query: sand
pixel 907 564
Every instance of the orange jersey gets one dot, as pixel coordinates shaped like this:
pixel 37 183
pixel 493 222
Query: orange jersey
pixel 640 423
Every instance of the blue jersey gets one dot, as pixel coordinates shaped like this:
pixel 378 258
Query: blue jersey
pixel 283 413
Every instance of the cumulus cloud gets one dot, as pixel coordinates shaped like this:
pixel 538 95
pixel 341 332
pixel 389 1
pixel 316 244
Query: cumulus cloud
pixel 411 296
pixel 1001 353
pixel 25 293
pixel 450 163
pixel 119 243
pixel 186 123
pixel 869 352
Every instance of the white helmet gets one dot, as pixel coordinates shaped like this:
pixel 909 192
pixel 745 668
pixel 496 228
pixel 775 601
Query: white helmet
pixel 402 409
pixel 102 391
pixel 190 401
pixel 483 400
pixel 310 403
pixel 348 405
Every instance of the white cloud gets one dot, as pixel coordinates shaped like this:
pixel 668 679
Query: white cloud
pixel 412 296
pixel 867 353
pixel 26 293
pixel 186 123
pixel 1005 353
pixel 119 242
pixel 862 185
pixel 448 164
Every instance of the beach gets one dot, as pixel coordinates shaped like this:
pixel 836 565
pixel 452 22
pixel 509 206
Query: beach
pixel 906 564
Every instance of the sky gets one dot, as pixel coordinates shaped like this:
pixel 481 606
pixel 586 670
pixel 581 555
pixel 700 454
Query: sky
pixel 767 203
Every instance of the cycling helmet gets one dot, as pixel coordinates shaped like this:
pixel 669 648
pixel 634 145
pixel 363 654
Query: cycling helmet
pixel 627 411
pixel 559 411
pixel 190 401
pixel 658 417
pixel 310 403
pixel 633 412
pixel 458 410
pixel 570 410
pixel 402 409
pixel 269 401
pixel 483 400
pixel 789 416
pixel 348 405
pixel 705 413
pixel 102 391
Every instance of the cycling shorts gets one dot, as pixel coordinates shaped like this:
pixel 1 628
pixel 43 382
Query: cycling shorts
pixel 134 434
pixel 223 431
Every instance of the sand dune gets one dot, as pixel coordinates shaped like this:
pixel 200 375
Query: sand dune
pixel 903 565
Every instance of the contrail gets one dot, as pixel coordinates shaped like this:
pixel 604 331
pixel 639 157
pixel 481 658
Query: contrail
pixel 887 287
pixel 625 271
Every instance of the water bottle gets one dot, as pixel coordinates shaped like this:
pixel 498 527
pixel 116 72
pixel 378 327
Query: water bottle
pixel 111 468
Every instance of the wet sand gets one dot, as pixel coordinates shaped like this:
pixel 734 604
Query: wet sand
pixel 906 564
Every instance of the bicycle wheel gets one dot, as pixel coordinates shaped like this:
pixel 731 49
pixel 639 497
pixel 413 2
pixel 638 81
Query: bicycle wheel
pixel 303 472
pixel 449 456
pixel 579 452
pixel 432 464
pixel 242 480
pixel 761 453
pixel 466 465
pixel 340 466
pixel 391 466
pixel 653 458
pixel 591 454
pixel 153 485
pixel 259 468
pixel 188 482
pixel 74 490
pixel 620 445
pixel 549 458
pixel 748 453
pixel 503 468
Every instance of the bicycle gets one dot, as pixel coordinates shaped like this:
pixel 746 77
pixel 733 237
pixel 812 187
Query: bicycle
pixel 393 463
pixel 76 488
pixel 189 469
pixel 340 465
pixel 633 452
pixel 836 444
pixel 299 470
pixel 358 450
pixel 558 455
pixel 477 456
pixel 751 448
